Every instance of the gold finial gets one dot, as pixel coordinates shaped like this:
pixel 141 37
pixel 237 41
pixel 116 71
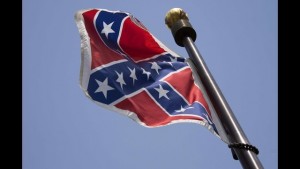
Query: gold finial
pixel 174 15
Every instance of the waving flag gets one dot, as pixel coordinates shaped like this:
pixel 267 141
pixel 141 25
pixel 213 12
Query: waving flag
pixel 124 68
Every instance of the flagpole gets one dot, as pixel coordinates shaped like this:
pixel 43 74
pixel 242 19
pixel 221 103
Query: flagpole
pixel 184 35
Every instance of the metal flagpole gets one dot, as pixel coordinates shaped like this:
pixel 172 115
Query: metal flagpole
pixel 184 35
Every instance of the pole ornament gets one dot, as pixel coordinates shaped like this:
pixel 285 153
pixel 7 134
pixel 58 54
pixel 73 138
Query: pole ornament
pixel 177 20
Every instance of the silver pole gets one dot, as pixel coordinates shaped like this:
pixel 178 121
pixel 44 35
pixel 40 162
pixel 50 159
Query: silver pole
pixel 185 35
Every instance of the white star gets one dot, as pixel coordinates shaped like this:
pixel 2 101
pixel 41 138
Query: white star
pixel 103 87
pixel 162 92
pixel 147 73
pixel 120 79
pixel 183 109
pixel 170 63
pixel 173 59
pixel 107 29
pixel 155 66
pixel 132 74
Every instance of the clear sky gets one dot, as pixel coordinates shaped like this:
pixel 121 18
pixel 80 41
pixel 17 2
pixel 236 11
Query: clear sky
pixel 63 129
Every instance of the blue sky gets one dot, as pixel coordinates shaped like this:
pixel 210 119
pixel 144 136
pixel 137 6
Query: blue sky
pixel 62 128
